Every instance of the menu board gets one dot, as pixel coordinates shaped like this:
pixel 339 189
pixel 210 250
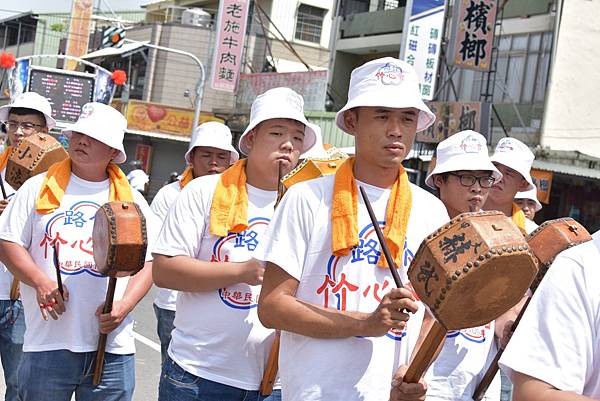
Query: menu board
pixel 66 91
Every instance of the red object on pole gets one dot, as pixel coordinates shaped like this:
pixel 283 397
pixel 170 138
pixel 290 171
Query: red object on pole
pixel 119 77
pixel 7 60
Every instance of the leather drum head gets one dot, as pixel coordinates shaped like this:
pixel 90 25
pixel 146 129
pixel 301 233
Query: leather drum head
pixel 473 269
pixel 101 244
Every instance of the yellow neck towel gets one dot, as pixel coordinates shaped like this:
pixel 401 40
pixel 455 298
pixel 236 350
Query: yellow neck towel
pixel 186 177
pixel 57 179
pixel 229 208
pixel 4 157
pixel 344 214
pixel 518 217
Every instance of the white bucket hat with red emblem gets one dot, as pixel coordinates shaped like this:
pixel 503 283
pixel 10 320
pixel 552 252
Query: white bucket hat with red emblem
pixel 103 123
pixel 386 82
pixel 465 150
pixel 515 154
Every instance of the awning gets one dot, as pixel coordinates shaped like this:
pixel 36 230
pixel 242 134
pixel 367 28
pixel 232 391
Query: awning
pixel 567 169
pixel 159 135
pixel 123 51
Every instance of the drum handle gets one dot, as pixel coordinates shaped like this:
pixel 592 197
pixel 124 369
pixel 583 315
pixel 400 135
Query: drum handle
pixel 426 353
pixel 491 371
pixel 99 364
pixel 382 243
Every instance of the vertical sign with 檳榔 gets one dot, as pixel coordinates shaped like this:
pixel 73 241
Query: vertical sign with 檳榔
pixel 471 41
pixel 543 183
pixel 421 45
pixel 231 32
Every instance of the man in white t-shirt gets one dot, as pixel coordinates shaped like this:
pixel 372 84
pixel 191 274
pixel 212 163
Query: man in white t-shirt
pixel 55 210
pixel 205 250
pixel 210 152
pixel 554 354
pixel 528 202
pixel 463 176
pixel 138 179
pixel 345 328
pixel 513 159
pixel 29 113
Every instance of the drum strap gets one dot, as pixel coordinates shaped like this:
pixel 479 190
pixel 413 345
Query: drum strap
pixel 186 177
pixel 344 214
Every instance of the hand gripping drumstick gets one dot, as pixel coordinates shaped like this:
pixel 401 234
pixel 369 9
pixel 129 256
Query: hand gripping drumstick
pixel 272 366
pixel 436 334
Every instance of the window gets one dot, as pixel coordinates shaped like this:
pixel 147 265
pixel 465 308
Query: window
pixel 521 71
pixel 309 23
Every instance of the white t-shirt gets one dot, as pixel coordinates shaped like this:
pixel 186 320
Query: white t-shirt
pixel 217 333
pixel 6 278
pixel 299 241
pixel 558 339
pixel 71 225
pixel 461 364
pixel 162 202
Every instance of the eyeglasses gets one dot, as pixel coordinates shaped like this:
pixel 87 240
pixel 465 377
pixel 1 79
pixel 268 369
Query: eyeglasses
pixel 26 127
pixel 467 180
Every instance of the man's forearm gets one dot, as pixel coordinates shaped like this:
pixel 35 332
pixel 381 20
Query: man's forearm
pixel 184 273
pixel 291 314
pixel 527 388
pixel 20 263
pixel 138 286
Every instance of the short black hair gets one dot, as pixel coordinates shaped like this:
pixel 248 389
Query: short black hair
pixel 23 111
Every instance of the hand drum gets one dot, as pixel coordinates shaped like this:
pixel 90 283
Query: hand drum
pixel 34 155
pixel 473 269
pixel 119 238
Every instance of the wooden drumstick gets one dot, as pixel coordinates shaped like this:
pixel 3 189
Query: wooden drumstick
pixel 99 364
pixel 386 251
pixel 57 268
pixel 272 366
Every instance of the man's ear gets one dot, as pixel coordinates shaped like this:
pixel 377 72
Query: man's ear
pixel 114 153
pixel 350 118
pixel 250 138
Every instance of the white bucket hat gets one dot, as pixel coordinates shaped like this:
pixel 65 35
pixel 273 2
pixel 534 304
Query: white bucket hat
pixel 317 151
pixel 30 100
pixel 278 103
pixel 386 82
pixel 515 154
pixel 215 135
pixel 465 150
pixel 102 123
pixel 530 194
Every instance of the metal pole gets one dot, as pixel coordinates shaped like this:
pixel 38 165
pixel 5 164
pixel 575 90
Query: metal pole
pixel 199 87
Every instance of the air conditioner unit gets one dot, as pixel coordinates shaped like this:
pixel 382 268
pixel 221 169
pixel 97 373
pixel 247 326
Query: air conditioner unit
pixel 196 17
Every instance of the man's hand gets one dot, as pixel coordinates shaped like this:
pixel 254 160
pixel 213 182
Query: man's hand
pixel 112 320
pixel 3 204
pixel 252 272
pixel 50 301
pixel 402 391
pixel 392 313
